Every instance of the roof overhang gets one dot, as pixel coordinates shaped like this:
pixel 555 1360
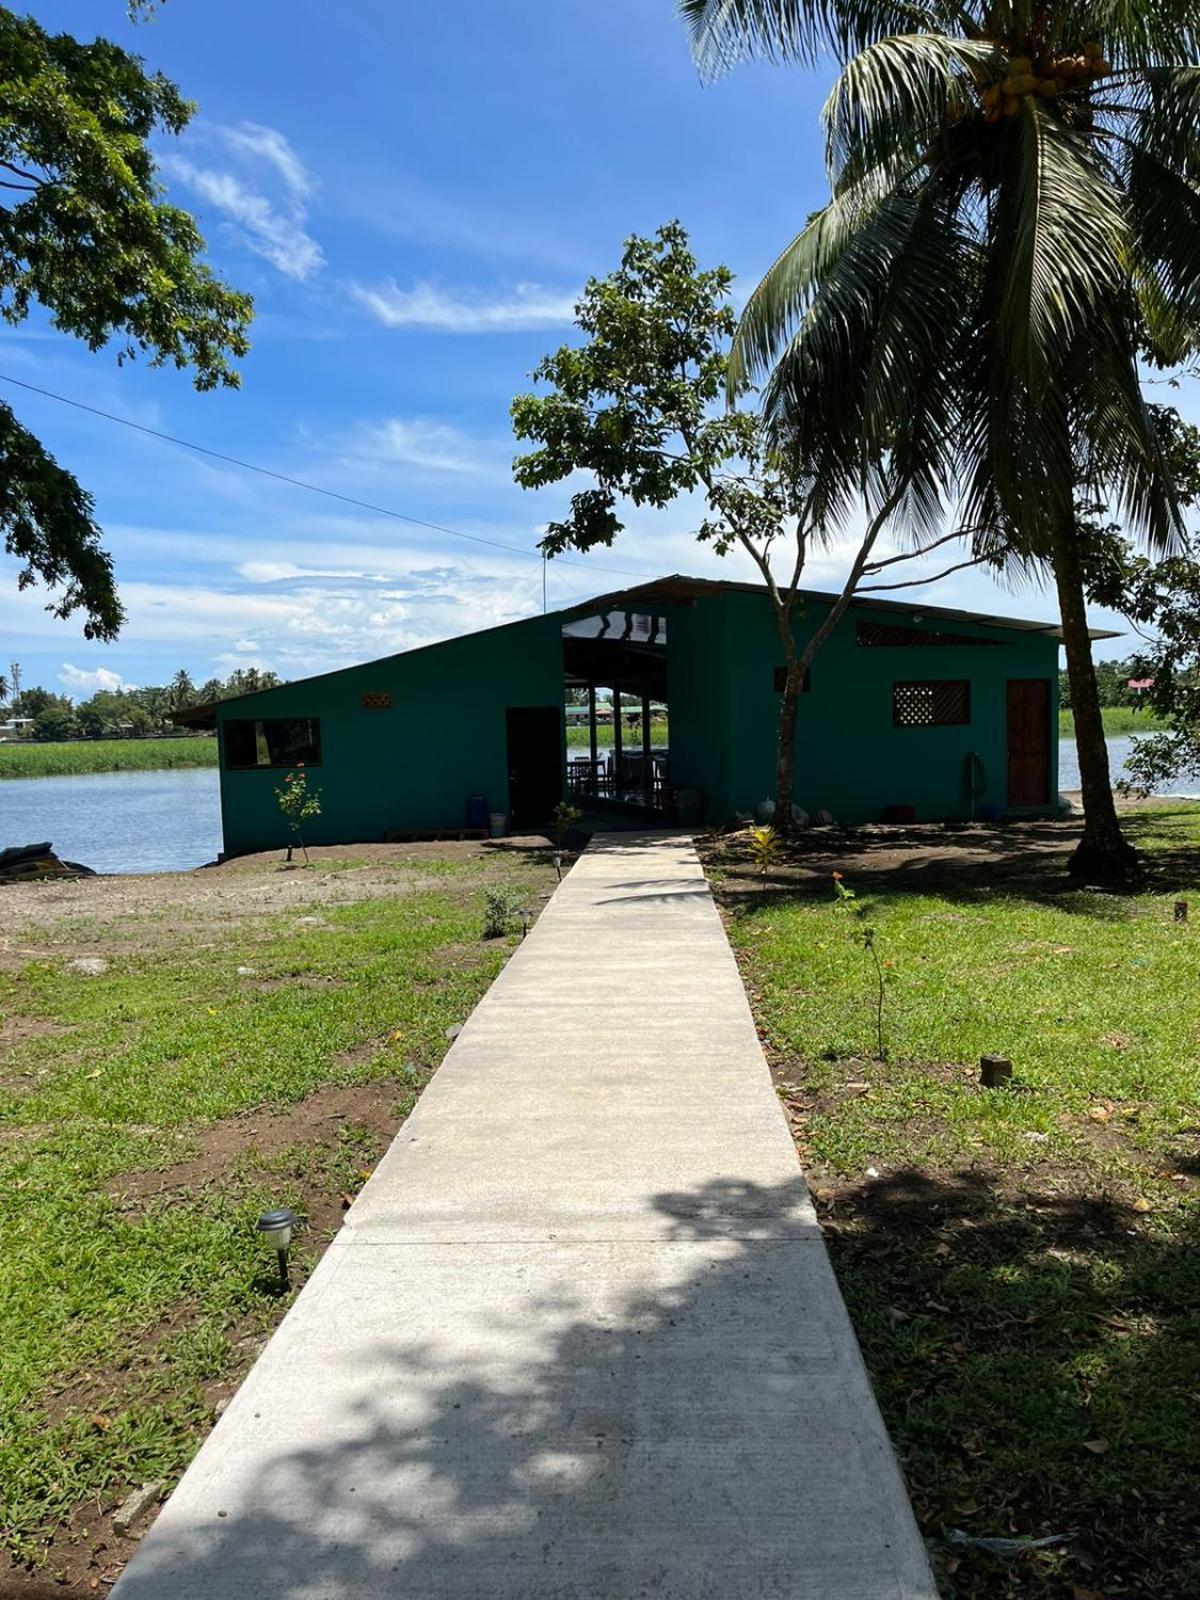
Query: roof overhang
pixel 680 590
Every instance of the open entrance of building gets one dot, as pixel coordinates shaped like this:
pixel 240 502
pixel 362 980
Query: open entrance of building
pixel 618 751
pixel 534 765
pixel 1028 741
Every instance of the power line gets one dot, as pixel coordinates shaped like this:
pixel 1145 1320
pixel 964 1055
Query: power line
pixel 315 488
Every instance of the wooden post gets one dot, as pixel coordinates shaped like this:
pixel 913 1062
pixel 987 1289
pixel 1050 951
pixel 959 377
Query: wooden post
pixel 994 1071
pixel 616 705
pixel 594 776
pixel 647 765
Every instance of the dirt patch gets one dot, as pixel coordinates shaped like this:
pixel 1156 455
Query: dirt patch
pixel 926 858
pixel 316 1121
pixel 170 904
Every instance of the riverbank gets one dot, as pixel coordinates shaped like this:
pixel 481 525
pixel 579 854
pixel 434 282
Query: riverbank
pixel 82 756
pixel 1118 721
pixel 177 1054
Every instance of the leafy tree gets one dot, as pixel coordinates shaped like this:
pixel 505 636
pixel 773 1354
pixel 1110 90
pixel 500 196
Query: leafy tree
pixel 1015 217
pixel 85 233
pixel 54 719
pixel 1162 601
pixel 637 407
pixel 30 702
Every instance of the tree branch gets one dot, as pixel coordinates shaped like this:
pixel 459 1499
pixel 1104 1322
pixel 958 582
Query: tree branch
pixel 842 604
pixel 916 583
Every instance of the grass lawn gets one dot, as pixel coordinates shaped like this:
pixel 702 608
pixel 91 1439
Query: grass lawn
pixel 1021 1264
pixel 150 1112
pixel 76 757
pixel 631 738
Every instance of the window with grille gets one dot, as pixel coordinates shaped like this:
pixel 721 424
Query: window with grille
pixel 941 703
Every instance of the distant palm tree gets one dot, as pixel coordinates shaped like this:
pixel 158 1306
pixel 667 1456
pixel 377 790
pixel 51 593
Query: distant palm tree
pixel 1014 223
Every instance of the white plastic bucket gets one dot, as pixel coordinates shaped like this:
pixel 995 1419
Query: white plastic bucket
pixel 497 824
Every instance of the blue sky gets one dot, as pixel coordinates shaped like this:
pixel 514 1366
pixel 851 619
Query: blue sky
pixel 414 195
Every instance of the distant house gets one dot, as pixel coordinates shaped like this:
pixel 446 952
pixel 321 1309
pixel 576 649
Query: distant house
pixel 16 727
pixel 911 711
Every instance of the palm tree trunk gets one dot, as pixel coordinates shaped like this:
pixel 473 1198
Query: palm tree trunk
pixel 1103 855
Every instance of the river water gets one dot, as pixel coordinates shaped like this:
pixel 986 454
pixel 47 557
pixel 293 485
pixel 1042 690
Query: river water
pixel 171 821
pixel 118 821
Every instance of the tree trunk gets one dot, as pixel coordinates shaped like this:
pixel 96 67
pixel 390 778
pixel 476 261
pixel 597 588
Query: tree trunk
pixel 1103 855
pixel 785 759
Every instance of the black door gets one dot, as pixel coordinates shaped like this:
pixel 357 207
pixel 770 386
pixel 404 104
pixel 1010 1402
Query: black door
pixel 534 765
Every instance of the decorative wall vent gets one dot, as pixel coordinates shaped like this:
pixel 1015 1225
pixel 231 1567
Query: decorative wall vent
pixel 944 702
pixel 890 635
pixel 376 700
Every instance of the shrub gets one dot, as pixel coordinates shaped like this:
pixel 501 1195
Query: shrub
pixel 500 906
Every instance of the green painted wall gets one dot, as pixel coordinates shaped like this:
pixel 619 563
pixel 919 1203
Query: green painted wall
pixel 412 767
pixel 850 760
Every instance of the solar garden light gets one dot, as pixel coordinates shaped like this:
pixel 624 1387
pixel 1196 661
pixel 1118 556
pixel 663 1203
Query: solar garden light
pixel 526 917
pixel 276 1228
pixel 557 859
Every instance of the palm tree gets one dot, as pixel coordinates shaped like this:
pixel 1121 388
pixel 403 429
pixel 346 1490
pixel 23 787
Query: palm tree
pixel 1014 223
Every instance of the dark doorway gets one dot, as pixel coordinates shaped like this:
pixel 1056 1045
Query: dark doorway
pixel 1028 741
pixel 534 765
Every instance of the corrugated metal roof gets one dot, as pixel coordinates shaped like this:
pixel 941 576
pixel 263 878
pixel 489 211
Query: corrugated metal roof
pixel 674 589
pixel 678 587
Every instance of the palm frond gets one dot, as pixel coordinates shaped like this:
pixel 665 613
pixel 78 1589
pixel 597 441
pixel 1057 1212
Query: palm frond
pixel 896 96
pixel 779 301
pixel 859 384
pixel 1134 34
pixel 724 32
pixel 1164 214
pixel 1061 244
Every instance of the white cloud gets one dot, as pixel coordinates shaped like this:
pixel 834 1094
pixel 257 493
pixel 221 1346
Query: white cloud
pixel 79 681
pixel 259 143
pixel 427 305
pixel 416 442
pixel 263 200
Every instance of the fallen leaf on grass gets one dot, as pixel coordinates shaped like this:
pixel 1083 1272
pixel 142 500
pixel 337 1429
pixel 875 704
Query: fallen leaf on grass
pixel 1098 1447
pixel 1142 1204
pixel 1101 1113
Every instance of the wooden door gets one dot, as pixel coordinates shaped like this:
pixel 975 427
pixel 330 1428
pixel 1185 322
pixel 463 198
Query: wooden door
pixel 1029 741
pixel 535 765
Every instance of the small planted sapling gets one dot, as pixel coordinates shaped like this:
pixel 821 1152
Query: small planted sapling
pixel 297 803
pixel 565 818
pixel 847 901
pixel 764 847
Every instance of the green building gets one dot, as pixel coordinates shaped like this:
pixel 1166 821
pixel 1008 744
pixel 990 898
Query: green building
pixel 911 712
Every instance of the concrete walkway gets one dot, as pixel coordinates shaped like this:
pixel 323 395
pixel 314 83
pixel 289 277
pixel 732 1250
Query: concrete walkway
pixel 579 1338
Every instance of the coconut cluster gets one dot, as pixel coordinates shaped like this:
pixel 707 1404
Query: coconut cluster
pixel 1046 78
